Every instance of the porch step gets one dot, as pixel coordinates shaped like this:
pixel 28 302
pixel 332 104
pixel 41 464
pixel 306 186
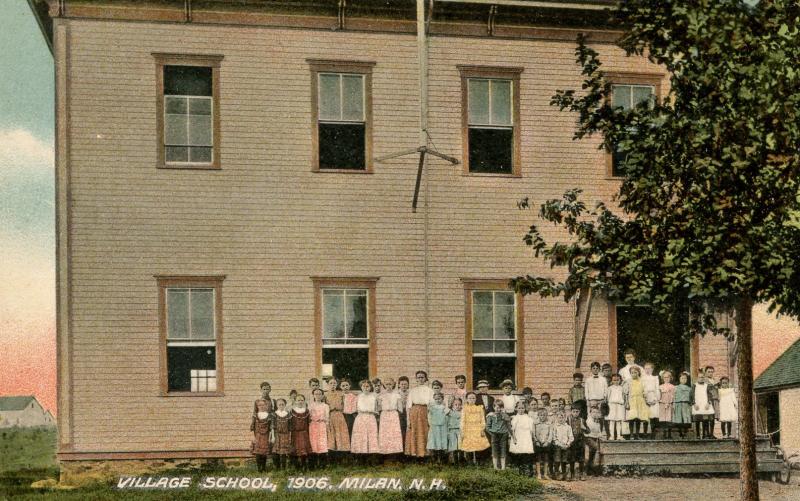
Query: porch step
pixel 684 456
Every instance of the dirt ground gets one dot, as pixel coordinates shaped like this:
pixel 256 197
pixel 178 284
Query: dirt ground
pixel 666 489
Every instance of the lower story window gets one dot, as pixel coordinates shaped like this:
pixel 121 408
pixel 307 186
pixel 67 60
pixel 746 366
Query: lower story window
pixel 347 327
pixel 493 336
pixel 191 331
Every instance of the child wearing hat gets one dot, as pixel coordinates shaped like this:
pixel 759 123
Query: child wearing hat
pixel 484 399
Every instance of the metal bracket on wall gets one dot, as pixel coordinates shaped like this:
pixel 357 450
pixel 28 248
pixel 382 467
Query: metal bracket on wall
pixel 342 13
pixel 187 11
pixel 490 22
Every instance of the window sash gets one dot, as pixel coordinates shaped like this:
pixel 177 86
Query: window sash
pixel 189 130
pixel 346 341
pixel 494 304
pixel 630 101
pixel 189 318
pixel 336 112
pixel 493 118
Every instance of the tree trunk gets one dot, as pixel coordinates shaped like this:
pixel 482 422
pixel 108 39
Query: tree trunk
pixel 747 430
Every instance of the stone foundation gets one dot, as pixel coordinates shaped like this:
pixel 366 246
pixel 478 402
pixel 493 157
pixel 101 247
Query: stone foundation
pixel 85 472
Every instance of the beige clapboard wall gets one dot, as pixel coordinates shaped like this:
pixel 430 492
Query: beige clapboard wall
pixel 268 223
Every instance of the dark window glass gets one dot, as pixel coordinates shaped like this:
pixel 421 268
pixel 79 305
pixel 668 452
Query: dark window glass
pixel 617 161
pixel 187 81
pixel 494 370
pixel 181 360
pixel 351 363
pixel 652 338
pixel 491 150
pixel 342 146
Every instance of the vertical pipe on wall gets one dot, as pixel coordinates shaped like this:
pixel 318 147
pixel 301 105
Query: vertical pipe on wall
pixel 422 56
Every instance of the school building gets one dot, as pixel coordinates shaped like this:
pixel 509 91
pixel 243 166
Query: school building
pixel 235 183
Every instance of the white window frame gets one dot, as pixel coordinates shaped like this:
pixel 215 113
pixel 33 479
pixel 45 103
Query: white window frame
pixel 210 376
pixel 490 125
pixel 344 305
pixel 166 145
pixel 341 76
pixel 494 338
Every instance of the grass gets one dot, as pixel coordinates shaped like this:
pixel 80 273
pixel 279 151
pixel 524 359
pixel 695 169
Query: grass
pixel 27 449
pixel 461 482
pixel 28 455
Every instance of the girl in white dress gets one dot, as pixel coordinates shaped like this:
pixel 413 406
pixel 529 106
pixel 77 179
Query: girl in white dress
pixel 652 395
pixel 702 407
pixel 728 406
pixel 521 446
pixel 616 408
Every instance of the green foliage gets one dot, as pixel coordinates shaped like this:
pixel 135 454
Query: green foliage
pixel 709 208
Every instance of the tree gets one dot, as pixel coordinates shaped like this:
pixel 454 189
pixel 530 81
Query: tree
pixel 707 217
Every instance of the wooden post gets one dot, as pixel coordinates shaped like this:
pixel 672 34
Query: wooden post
pixel 747 432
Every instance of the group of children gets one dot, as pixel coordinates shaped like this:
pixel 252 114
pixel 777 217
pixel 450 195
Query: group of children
pixel 391 419
pixel 635 402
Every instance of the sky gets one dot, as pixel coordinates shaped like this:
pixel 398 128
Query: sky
pixel 27 215
pixel 27 208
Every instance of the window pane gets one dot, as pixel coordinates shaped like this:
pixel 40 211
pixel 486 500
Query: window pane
pixel 356 316
pixel 482 297
pixel 621 96
pixel 642 94
pixel 353 91
pixel 491 150
pixel 333 313
pixel 199 130
pixel 177 314
pixel 478 101
pixel 200 155
pixel 182 360
pixel 330 104
pixel 203 314
pixel 482 347
pixel 199 106
pixel 187 80
pixel 494 370
pixel 617 163
pixel 351 363
pixel 504 297
pixel 342 146
pixel 176 105
pixel 501 102
pixel 177 154
pixel 175 130
pixel 504 347
pixel 481 321
pixel 504 322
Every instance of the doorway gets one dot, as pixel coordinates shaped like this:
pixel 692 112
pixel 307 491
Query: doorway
pixel 653 338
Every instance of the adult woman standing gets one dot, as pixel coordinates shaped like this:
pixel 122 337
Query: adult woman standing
pixel 417 434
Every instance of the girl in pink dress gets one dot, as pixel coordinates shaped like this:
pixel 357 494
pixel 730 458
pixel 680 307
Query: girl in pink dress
pixel 390 438
pixel 318 427
pixel 365 427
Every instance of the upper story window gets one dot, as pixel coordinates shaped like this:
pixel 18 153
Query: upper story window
pixel 628 91
pixel 490 120
pixel 191 330
pixel 188 111
pixel 342 111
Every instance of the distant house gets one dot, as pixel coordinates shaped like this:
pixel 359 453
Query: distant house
pixel 778 399
pixel 24 412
